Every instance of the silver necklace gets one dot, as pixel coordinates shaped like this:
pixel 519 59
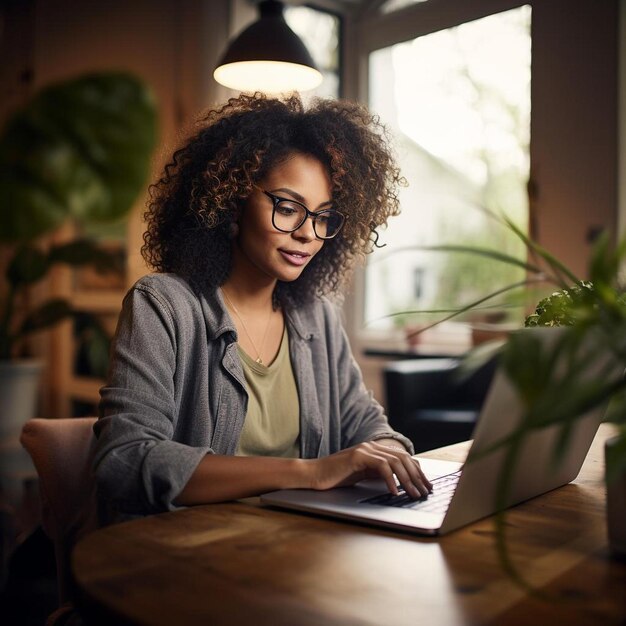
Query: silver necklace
pixel 259 360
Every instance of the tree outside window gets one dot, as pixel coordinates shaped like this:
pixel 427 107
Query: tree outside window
pixel 458 103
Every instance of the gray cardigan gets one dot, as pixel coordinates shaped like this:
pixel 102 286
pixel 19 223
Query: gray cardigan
pixel 176 392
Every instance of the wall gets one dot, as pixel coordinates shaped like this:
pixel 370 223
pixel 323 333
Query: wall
pixel 574 124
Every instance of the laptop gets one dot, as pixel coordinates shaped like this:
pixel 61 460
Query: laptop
pixel 466 493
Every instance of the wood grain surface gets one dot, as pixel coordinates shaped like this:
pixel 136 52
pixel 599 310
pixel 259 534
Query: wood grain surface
pixel 240 563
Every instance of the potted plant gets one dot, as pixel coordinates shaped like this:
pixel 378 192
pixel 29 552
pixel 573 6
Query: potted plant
pixel 79 150
pixel 595 307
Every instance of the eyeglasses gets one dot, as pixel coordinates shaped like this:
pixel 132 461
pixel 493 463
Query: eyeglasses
pixel 289 215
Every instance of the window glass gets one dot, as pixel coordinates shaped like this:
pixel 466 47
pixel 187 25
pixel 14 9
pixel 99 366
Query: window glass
pixel 458 104
pixel 320 32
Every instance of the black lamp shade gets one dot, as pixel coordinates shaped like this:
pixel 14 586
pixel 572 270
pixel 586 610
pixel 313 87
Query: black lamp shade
pixel 268 56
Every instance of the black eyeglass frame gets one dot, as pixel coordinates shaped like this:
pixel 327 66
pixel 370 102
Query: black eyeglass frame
pixel 312 214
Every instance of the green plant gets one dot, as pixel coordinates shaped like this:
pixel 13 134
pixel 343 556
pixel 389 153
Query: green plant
pixel 559 396
pixel 596 305
pixel 79 150
pixel 554 396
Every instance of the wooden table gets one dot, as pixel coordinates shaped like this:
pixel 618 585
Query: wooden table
pixel 239 563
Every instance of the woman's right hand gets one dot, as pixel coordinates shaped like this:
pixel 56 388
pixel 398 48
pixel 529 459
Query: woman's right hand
pixel 371 460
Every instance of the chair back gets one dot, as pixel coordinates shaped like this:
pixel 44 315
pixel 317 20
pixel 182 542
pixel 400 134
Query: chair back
pixel 61 450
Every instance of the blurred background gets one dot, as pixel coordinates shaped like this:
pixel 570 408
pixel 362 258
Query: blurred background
pixel 495 106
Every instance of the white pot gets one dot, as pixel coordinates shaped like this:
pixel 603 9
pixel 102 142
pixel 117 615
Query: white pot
pixel 19 386
pixel 616 506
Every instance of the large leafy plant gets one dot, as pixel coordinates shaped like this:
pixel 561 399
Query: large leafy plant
pixel 553 380
pixel 79 150
pixel 595 306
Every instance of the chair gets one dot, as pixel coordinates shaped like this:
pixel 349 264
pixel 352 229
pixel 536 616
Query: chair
pixel 431 404
pixel 61 450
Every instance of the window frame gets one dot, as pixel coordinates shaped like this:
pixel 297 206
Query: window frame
pixel 373 30
pixel 340 36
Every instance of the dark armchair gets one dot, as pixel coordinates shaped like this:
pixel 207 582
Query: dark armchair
pixel 430 403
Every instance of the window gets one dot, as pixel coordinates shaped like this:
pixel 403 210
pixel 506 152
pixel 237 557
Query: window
pixel 458 103
pixel 321 33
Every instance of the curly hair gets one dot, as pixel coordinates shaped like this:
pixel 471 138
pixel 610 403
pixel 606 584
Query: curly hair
pixel 208 180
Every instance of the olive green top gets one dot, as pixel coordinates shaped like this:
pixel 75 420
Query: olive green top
pixel 272 424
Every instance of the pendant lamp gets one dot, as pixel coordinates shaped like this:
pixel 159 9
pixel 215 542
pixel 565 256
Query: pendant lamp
pixel 268 56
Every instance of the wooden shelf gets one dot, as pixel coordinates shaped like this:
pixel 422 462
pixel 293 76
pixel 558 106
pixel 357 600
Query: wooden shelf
pixel 84 389
pixel 109 301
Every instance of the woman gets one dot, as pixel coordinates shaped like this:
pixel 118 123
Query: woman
pixel 231 375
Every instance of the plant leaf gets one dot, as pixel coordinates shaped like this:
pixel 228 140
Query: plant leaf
pixel 556 265
pixel 86 252
pixel 616 457
pixel 470 306
pixel 28 265
pixel 93 344
pixel 80 148
pixel 45 316
pixel 478 357
pixel 490 254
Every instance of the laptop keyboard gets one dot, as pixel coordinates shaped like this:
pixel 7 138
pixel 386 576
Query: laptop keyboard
pixel 436 502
